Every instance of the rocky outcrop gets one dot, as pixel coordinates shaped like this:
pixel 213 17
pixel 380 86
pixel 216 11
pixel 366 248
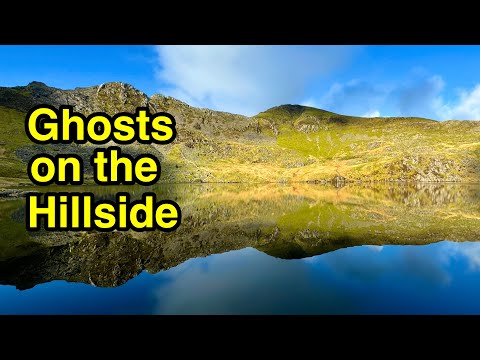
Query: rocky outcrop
pixel 110 98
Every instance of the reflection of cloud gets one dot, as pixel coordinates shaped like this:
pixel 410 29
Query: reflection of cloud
pixel 424 265
pixel 369 263
pixel 469 250
pixel 225 285
pixel 370 279
pixel 376 248
pixel 246 282
pixel 429 263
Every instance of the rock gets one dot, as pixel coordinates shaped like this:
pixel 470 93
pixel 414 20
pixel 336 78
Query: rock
pixel 110 97
pixel 374 145
pixel 339 181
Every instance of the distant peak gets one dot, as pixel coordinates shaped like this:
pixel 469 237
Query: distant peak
pixel 116 83
pixel 289 110
pixel 37 84
pixel 293 109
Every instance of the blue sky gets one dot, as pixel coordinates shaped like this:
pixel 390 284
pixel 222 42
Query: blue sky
pixel 439 82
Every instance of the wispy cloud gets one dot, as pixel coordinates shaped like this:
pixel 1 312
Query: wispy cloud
pixel 371 114
pixel 356 97
pixel 250 79
pixel 245 79
pixel 420 95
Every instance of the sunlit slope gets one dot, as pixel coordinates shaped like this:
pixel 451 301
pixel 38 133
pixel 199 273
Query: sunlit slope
pixel 288 143
pixel 12 137
pixel 377 148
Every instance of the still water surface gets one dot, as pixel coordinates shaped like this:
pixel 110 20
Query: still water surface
pixel 301 249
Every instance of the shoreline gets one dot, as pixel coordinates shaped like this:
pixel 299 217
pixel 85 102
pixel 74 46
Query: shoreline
pixel 20 191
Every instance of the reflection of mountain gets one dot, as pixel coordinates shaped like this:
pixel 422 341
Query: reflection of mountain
pixel 284 221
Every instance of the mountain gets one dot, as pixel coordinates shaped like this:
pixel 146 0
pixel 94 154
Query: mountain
pixel 287 143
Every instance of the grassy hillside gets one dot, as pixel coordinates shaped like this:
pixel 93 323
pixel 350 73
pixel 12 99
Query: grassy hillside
pixel 288 143
pixel 378 148
pixel 12 137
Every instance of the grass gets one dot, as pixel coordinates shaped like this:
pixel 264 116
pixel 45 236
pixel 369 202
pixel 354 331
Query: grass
pixel 288 143
pixel 296 143
pixel 379 149
pixel 12 136
pixel 16 149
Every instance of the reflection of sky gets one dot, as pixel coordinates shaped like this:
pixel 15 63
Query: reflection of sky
pixel 436 278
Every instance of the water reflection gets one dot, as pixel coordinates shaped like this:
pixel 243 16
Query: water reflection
pixel 440 278
pixel 435 279
pixel 286 222
pixel 258 249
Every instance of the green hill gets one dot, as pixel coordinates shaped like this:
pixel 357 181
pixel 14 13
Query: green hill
pixel 288 143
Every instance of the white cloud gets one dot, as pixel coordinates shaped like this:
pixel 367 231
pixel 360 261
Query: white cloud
pixel 372 114
pixel 309 102
pixel 420 95
pixel 244 79
pixel 466 108
pixel 250 79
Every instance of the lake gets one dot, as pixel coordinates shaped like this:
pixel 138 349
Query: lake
pixel 257 249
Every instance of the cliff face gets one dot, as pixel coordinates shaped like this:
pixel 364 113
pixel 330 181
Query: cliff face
pixel 110 98
pixel 288 143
